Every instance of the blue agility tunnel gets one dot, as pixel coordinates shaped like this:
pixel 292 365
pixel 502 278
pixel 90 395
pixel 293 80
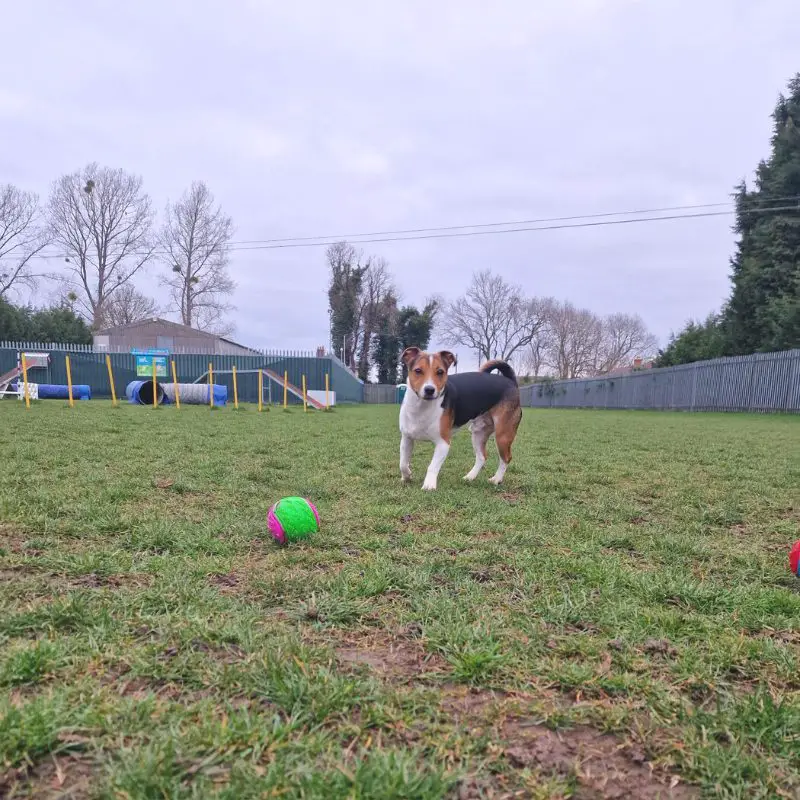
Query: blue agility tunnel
pixel 141 393
pixel 54 391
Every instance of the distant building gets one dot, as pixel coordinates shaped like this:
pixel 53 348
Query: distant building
pixel 161 334
pixel 637 366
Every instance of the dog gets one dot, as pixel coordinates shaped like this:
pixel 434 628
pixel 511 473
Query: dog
pixel 435 405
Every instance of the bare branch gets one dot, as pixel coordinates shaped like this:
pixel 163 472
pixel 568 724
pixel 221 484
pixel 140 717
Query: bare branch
pixel 103 221
pixel 574 338
pixel 23 235
pixel 492 318
pixel 624 337
pixel 128 305
pixel 534 357
pixel 375 285
pixel 195 237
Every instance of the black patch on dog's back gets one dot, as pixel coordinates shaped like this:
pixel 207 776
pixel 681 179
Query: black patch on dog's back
pixel 470 394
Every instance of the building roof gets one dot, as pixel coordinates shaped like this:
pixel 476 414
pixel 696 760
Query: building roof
pixel 168 323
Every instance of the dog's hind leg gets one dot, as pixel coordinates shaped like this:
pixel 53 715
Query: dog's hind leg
pixel 505 430
pixel 481 431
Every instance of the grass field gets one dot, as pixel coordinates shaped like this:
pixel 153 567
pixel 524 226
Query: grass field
pixel 617 620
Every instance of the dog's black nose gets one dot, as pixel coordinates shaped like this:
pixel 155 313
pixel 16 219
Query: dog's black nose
pixel 429 390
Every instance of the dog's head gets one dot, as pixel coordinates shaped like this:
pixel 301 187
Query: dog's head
pixel 427 372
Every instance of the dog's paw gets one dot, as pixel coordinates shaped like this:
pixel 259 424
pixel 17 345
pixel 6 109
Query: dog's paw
pixel 469 477
pixel 429 485
pixel 495 480
pixel 406 477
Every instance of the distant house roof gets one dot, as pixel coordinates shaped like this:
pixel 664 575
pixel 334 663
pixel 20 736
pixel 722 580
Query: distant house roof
pixel 628 368
pixel 168 323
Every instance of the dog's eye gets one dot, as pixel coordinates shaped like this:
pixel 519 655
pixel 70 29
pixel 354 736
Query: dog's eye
pixel 440 372
pixel 418 371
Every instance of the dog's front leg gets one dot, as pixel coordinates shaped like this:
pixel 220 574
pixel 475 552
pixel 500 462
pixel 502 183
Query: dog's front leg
pixel 406 449
pixel 440 452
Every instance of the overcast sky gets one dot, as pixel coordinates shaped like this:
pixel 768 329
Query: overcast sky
pixel 317 118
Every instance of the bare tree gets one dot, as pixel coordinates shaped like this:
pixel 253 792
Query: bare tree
pixel 535 356
pixel 623 337
pixel 128 305
pixel 195 238
pixel 492 318
pixel 22 236
pixel 375 284
pixel 574 339
pixel 103 221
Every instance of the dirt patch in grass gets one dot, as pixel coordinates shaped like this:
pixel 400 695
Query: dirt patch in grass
pixel 512 498
pixel 62 582
pixel 414 524
pixel 659 647
pixel 141 688
pixel 13 540
pixel 229 653
pixel 72 776
pixel 224 582
pixel 392 656
pixel 122 580
pixel 8 574
pixel 602 764
pixel 492 787
pixel 470 705
pixel 781 636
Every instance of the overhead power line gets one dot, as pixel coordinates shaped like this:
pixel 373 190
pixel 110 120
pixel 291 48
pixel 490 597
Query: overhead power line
pixel 526 229
pixel 541 220
pixel 497 228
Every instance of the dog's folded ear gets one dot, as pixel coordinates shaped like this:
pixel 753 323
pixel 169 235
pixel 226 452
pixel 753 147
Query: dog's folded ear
pixel 409 354
pixel 448 358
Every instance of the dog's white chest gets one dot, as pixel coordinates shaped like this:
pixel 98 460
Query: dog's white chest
pixel 421 420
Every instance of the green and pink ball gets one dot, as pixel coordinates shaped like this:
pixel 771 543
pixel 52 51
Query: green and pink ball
pixel 292 519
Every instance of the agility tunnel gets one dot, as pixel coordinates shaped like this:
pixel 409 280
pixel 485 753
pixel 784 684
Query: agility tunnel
pixel 141 393
pixel 196 394
pixel 55 391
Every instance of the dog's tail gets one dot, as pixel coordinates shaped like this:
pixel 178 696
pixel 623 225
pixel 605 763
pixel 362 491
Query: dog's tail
pixel 502 367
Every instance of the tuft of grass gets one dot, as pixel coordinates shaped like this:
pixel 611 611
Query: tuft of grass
pixel 29 665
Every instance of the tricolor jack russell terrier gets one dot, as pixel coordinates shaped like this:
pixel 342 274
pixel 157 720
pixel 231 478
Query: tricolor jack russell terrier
pixel 435 405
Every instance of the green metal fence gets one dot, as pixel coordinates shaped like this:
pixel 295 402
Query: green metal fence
pixel 89 367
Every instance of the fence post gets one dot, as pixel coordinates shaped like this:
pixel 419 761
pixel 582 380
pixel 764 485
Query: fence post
pixel 235 390
pixel 694 385
pixel 260 389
